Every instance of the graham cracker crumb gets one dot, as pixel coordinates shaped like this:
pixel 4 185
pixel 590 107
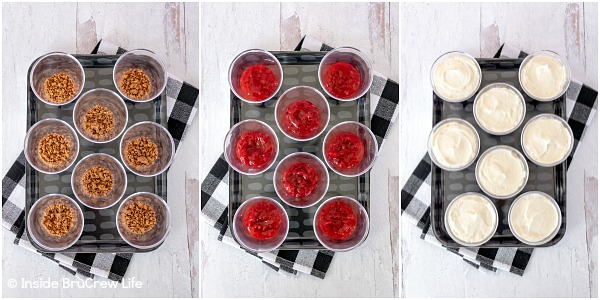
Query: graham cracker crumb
pixel 97 181
pixel 59 88
pixel 54 149
pixel 99 121
pixel 141 152
pixel 135 84
pixel 58 219
pixel 139 217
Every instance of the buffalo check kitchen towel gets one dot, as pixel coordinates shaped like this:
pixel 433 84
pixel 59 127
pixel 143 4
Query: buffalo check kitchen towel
pixel 416 193
pixel 182 105
pixel 215 192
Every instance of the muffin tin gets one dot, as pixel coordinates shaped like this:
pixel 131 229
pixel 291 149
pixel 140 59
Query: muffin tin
pixel 446 185
pixel 100 232
pixel 299 68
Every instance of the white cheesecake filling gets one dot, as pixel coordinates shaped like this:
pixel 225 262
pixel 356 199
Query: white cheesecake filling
pixel 534 217
pixel 471 218
pixel 546 140
pixel 502 172
pixel 499 109
pixel 454 145
pixel 456 77
pixel 544 77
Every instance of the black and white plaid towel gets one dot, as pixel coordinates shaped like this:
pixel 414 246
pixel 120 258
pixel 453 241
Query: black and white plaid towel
pixel 182 105
pixel 416 193
pixel 215 192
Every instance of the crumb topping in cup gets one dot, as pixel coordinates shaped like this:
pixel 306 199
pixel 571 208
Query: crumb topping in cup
pixel 97 181
pixel 139 217
pixel 54 149
pixel 59 88
pixel 99 121
pixel 135 84
pixel 141 152
pixel 58 219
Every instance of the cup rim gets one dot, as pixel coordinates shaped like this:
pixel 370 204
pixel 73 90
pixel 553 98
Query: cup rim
pixel 362 56
pixel 553 55
pixel 430 148
pixel 548 238
pixel 165 207
pixel 552 116
pixel 170 140
pixel 461 242
pixel 361 208
pixel 499 85
pixel 268 199
pixel 152 56
pixel 313 157
pixel 318 93
pixel 445 55
pixel 521 157
pixel 227 158
pixel 240 55
pixel 373 139
pixel 88 157
pixel 56 53
pixel 33 208
pixel 120 101
pixel 28 135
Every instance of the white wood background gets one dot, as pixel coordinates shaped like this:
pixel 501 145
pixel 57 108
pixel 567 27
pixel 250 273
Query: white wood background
pixel 227 29
pixel 428 30
pixel 172 31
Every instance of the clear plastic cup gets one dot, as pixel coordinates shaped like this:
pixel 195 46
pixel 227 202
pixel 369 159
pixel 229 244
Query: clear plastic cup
pixel 53 63
pixel 232 138
pixel 354 57
pixel 297 93
pixel 464 243
pixel 554 117
pixel 356 238
pixel 520 157
pixel 554 232
pixel 108 99
pixel 150 64
pixel 119 180
pixel 369 143
pixel 430 146
pixel 451 55
pixel 249 242
pixel 157 134
pixel 37 132
pixel 478 100
pixel 316 195
pixel 555 56
pixel 159 231
pixel 249 58
pixel 38 233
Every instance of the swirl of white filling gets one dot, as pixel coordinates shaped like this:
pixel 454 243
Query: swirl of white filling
pixel 454 145
pixel 546 140
pixel 544 77
pixel 502 172
pixel 499 109
pixel 456 77
pixel 533 217
pixel 471 218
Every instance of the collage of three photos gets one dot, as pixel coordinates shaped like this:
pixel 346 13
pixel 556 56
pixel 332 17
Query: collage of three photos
pixel 228 150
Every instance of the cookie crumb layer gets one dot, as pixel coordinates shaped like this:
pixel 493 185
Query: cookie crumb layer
pixel 59 88
pixel 54 149
pixel 139 217
pixel 58 219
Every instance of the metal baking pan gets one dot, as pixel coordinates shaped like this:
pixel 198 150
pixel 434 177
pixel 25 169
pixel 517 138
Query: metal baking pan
pixel 446 185
pixel 100 229
pixel 299 68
